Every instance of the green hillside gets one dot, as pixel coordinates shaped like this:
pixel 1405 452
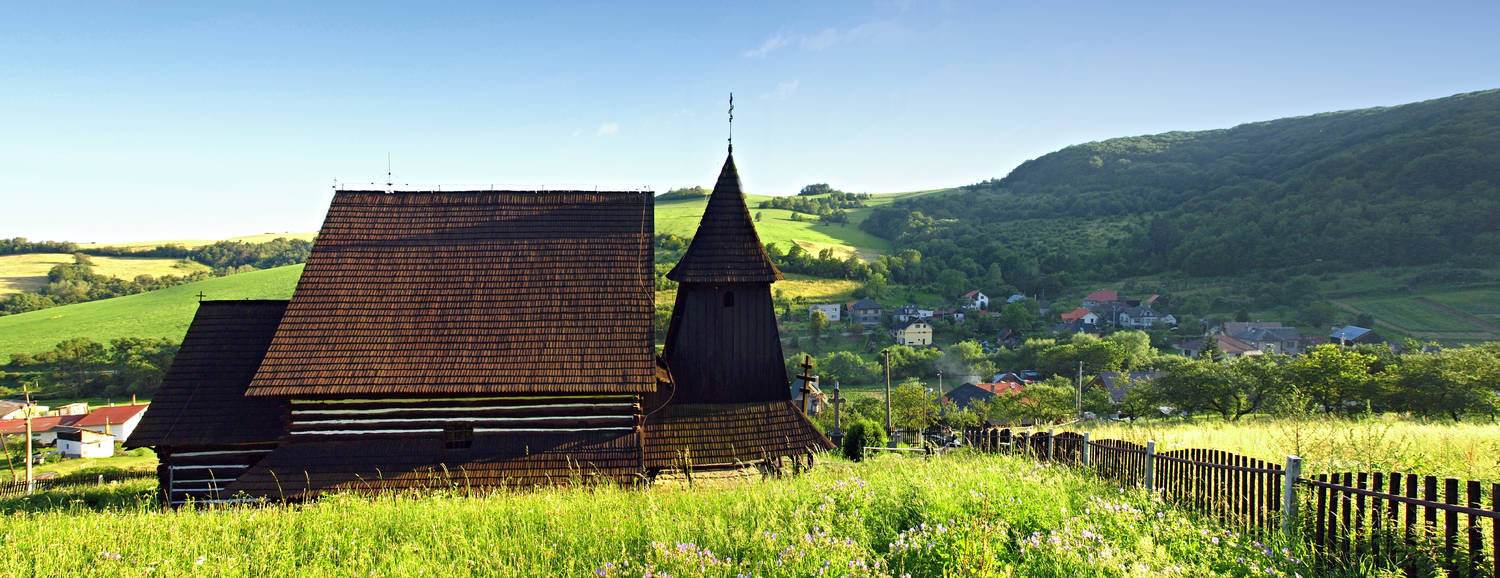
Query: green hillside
pixel 162 313
pixel 1281 214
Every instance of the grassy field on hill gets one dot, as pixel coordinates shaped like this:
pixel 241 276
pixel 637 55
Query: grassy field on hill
pixel 28 271
pixel 191 243
pixel 680 217
pixel 163 313
pixel 891 516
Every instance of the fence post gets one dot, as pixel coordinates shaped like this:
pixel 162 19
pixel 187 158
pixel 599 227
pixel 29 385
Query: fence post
pixel 1085 455
pixel 1289 501
pixel 1049 445
pixel 1151 464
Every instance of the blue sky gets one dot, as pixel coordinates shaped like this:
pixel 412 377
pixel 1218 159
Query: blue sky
pixel 135 121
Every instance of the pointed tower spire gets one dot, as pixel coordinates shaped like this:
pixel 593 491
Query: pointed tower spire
pixel 726 248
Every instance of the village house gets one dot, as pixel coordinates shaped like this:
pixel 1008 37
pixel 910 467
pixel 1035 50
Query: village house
pixel 1119 384
pixel 77 442
pixel 910 312
pixel 43 429
pixel 1142 317
pixel 975 300
pixel 968 393
pixel 916 333
pixel 117 420
pixel 1285 340
pixel 1352 335
pixel 15 409
pixel 1081 315
pixel 866 311
pixel 76 408
pixel 1229 347
pixel 1100 297
pixel 832 311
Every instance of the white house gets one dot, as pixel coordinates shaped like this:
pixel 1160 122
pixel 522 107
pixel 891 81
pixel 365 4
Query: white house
pixel 1143 318
pixel 76 442
pixel 830 310
pixel 117 421
pixel 975 300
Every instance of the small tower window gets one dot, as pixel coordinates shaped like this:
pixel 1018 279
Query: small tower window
pixel 729 299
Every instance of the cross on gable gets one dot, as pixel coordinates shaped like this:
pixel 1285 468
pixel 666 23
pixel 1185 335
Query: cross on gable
pixel 200 296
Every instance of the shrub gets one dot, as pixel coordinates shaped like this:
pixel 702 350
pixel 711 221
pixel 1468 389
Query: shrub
pixel 862 433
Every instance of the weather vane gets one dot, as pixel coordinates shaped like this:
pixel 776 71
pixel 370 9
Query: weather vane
pixel 731 122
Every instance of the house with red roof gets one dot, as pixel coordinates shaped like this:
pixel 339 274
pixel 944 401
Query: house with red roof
pixel 1081 314
pixel 974 300
pixel 116 420
pixel 43 429
pixel 1100 297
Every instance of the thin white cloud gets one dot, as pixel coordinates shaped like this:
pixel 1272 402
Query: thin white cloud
pixel 784 90
pixel 577 132
pixel 826 38
pixel 770 45
pixel 607 129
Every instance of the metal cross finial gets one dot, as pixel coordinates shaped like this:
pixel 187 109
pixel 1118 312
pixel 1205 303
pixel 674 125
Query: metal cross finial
pixel 731 122
pixel 200 296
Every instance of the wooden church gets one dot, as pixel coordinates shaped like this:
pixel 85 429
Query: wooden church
pixel 505 338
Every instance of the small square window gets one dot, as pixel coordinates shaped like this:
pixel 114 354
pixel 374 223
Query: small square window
pixel 458 437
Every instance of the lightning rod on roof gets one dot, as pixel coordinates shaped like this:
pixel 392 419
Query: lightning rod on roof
pixel 388 188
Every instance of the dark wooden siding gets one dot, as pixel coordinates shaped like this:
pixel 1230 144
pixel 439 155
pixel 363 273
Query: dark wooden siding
pixel 725 354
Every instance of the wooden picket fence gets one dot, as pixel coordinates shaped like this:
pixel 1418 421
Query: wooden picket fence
pixel 18 488
pixel 1388 516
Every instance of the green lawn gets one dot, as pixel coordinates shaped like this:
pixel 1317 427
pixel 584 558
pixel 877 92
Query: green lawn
pixel 164 313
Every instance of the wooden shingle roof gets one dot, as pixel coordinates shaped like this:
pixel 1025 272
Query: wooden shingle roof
pixel 726 248
pixel 471 292
pixel 726 434
pixel 202 397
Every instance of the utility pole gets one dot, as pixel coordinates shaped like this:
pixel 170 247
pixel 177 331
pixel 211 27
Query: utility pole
pixel 891 431
pixel 1078 395
pixel 30 481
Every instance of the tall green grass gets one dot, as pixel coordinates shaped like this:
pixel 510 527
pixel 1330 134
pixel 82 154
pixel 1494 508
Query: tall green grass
pixel 1466 450
pixel 960 514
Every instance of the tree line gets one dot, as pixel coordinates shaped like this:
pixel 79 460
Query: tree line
pixel 1457 384
pixel 82 367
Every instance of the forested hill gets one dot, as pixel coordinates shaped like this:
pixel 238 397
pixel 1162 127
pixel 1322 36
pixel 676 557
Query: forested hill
pixel 1346 190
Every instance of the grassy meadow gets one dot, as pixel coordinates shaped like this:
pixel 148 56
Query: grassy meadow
pixel 958 514
pixel 162 313
pixel 28 271
pixel 1467 450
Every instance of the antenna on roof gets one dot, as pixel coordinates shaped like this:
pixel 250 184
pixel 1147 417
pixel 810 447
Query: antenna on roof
pixel 731 122
pixel 388 172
